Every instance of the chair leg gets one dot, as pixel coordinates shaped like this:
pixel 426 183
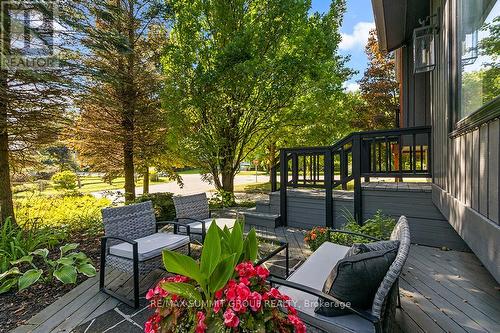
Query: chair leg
pixel 189 249
pixel 136 276
pixel 103 264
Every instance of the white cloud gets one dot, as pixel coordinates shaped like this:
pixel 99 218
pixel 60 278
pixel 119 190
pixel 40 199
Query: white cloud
pixel 351 86
pixel 359 36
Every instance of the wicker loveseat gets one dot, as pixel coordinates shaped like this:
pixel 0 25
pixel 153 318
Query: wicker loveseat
pixel 305 284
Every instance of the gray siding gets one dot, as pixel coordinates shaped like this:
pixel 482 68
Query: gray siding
pixel 465 168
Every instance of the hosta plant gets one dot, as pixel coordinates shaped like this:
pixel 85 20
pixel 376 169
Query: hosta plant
pixel 43 269
pixel 223 292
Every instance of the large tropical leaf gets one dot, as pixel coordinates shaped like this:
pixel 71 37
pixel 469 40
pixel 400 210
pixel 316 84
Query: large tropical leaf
pixel 236 240
pixel 28 278
pixel 66 274
pixel 178 263
pixel 222 273
pixel 185 290
pixel 252 245
pixel 210 255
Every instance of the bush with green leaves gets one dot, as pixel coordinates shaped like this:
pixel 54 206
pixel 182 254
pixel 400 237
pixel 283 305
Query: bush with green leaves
pixel 65 180
pixel 223 249
pixel 163 204
pixel 71 211
pixel 378 226
pixel 16 242
pixel 41 268
pixel 222 199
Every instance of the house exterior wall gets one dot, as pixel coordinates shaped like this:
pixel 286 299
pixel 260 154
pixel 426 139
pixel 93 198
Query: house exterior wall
pixel 466 166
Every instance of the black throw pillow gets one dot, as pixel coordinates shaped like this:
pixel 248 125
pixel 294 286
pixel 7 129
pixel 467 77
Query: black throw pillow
pixel 355 279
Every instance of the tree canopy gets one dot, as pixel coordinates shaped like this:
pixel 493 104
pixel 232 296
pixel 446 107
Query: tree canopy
pixel 237 70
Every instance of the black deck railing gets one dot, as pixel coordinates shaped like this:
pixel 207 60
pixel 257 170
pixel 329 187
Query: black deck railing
pixel 394 153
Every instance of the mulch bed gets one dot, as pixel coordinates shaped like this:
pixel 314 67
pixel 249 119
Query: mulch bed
pixel 17 307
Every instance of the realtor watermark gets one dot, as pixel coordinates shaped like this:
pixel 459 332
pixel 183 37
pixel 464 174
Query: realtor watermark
pixel 29 35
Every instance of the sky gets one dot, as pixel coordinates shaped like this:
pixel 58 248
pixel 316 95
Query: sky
pixel 358 20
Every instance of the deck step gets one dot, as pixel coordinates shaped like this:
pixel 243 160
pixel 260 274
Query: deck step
pixel 256 218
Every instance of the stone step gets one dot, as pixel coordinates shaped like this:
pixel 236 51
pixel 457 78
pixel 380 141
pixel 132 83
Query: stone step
pixel 260 219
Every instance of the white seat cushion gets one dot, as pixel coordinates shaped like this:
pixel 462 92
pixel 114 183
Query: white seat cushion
pixel 196 227
pixel 313 273
pixel 150 246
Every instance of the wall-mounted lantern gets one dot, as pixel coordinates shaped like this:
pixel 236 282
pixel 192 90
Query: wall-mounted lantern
pixel 424 55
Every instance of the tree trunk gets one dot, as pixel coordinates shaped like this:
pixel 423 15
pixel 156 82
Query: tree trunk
pixel 145 181
pixel 228 181
pixel 6 204
pixel 128 168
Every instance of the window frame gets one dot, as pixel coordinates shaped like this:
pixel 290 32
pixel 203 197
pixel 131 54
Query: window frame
pixel 484 114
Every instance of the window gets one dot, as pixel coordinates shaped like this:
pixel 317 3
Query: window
pixel 478 59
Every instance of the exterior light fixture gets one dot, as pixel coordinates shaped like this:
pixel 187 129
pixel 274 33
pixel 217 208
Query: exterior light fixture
pixel 424 55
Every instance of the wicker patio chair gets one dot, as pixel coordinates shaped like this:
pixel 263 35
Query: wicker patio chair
pixel 193 211
pixel 133 244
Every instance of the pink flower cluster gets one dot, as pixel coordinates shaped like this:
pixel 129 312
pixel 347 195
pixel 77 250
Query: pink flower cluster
pixel 243 297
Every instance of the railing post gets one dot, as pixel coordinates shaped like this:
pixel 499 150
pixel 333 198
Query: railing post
pixel 356 172
pixel 343 168
pixel 283 186
pixel 295 169
pixel 274 186
pixel 328 189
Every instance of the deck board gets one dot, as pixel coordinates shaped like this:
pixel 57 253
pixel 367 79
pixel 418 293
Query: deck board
pixel 441 291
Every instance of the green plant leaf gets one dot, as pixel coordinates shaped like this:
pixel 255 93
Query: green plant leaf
pixel 66 274
pixel 78 256
pixel 65 261
pixel 222 273
pixel 28 259
pixel 41 252
pixel 252 245
pixel 86 269
pixel 210 255
pixel 68 247
pixel 236 240
pixel 7 285
pixel 28 278
pixel 12 271
pixel 186 290
pixel 178 263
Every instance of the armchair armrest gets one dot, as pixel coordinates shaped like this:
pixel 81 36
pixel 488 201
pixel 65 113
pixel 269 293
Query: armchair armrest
pixel 203 228
pixel 176 225
pixel 352 233
pixel 364 314
pixel 283 246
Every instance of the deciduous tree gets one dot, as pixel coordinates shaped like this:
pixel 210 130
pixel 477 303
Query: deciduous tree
pixel 235 69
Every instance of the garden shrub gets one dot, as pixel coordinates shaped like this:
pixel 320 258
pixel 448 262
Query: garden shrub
pixel 65 180
pixel 378 226
pixel 163 204
pixel 24 188
pixel 16 242
pixel 222 199
pixel 72 211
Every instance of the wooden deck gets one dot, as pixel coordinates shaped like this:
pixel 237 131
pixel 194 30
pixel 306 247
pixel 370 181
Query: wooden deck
pixel 442 291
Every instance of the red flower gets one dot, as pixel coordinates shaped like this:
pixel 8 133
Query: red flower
pixel 291 310
pixel 245 281
pixel 262 272
pixel 218 294
pixel 230 319
pixel 217 305
pixel 245 270
pixel 297 323
pixel 201 326
pixel 255 301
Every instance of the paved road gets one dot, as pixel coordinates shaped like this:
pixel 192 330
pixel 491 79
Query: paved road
pixel 192 184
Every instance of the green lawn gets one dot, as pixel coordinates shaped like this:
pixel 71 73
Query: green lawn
pixel 89 184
